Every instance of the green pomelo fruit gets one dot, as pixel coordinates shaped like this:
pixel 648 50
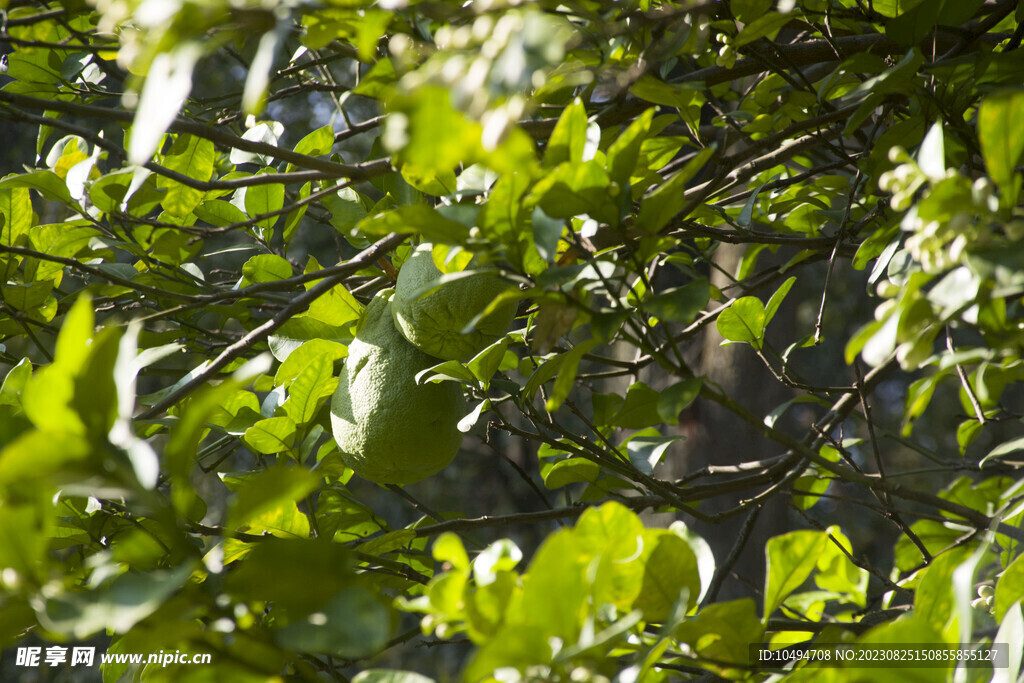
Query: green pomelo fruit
pixel 389 429
pixel 433 319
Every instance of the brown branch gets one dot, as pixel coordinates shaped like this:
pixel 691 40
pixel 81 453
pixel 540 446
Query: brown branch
pixel 806 53
pixel 634 503
pixel 722 571
pixel 96 272
pixel 181 125
pixel 34 19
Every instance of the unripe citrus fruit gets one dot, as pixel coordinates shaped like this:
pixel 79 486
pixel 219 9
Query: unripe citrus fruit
pixel 433 320
pixel 389 429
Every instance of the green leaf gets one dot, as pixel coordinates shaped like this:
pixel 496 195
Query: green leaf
pixel 958 12
pixel 167 85
pixel 514 646
pixel 48 397
pixel 573 189
pixel 95 394
pixel 269 489
pixel 380 77
pixel 264 199
pixel 625 151
pixel 302 329
pixel 61 239
pixel 75 333
pixel 723 631
pixel 567 374
pixel 1001 134
pixel 640 408
pixel 448 548
pixel 318 143
pixel 501 556
pixel 931 157
pixel 570 471
pixel 272 435
pixel 649 88
pixel 807 490
pixel 472 417
pixel 1004 449
pixel 744 321
pixel 612 541
pixel 911 26
pixel 487 362
pixel 702 551
pixel 777 299
pixel 24 532
pixel 837 573
pixel 747 212
pixel 14 383
pixel 1010 588
pixel 118 607
pixel 47 183
pixel 314 383
pixel 28 298
pixel 646 448
pixel 266 268
pixel 679 304
pixel 57 457
pixel 554 596
pixel 219 213
pixel 190 156
pixel 436 137
pixel 337 307
pixel 749 10
pixel 184 438
pixel 547 232
pixel 430 181
pixel 662 205
pixel 670 575
pixel 766 25
pixel 449 370
pixel 933 599
pixel 1011 630
pixel 772 417
pixel 16 215
pixel 416 219
pixel 791 559
pixel 319 563
pixel 544 372
pixel 107 193
pixel 935 536
pixel 676 398
pixel 306 353
pixel 392 540
pixel 568 137
pixel 294 219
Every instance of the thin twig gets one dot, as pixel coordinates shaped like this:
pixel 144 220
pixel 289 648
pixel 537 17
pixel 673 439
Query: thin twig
pixel 420 507
pixel 296 306
pixel 722 572
pixel 964 381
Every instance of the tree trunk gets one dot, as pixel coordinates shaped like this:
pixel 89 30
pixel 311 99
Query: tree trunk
pixel 721 438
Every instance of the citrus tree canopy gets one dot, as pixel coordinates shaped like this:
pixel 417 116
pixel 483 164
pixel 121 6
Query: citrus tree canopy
pixel 762 387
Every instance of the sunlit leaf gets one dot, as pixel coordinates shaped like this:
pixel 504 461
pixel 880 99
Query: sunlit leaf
pixel 791 559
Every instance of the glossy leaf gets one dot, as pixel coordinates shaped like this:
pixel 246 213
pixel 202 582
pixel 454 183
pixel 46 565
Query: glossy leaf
pixel 791 559
pixel 744 321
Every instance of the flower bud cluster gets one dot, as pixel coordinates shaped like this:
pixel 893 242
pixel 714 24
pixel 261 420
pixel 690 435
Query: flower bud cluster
pixel 950 216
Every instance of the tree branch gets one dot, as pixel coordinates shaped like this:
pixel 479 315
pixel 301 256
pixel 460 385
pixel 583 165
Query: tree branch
pixel 296 306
